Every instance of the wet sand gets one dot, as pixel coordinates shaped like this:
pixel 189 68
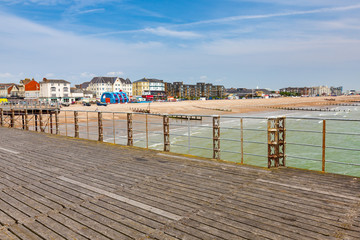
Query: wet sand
pixel 220 107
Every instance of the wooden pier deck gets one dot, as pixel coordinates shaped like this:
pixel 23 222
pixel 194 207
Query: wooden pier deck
pixel 55 187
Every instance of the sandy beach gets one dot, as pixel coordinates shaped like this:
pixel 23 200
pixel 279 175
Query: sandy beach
pixel 220 107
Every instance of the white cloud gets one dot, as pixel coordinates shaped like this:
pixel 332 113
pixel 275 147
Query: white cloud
pixel 203 78
pixel 87 75
pixel 49 75
pixel 91 11
pixel 264 16
pixel 114 74
pixel 161 31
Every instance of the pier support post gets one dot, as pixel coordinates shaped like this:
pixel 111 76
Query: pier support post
pixel 76 124
pixel 130 129
pixel 1 117
pixel 166 133
pixel 100 127
pixel 22 120
pixel 26 120
pixel 12 120
pixel 216 137
pixel 42 128
pixel 57 121
pixel 36 122
pixel 51 123
pixel 276 142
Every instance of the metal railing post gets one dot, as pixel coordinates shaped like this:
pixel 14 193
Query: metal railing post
pixel 57 121
pixel 76 124
pixel 87 125
pixel 147 131
pixel 65 123
pixel 276 142
pixel 323 145
pixel 113 118
pixel 189 133
pixel 130 141
pixel 100 127
pixel 273 142
pixel 242 140
pixel 282 142
pixel 216 137
pixel 166 128
pixel 1 117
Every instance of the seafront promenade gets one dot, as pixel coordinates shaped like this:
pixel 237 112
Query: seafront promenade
pixel 55 187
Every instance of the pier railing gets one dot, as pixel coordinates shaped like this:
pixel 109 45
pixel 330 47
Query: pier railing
pixel 311 143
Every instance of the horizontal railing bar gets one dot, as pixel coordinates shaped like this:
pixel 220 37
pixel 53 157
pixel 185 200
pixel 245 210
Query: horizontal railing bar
pixel 199 137
pixel 304 158
pixel 255 129
pixel 297 130
pixel 227 151
pixel 303 144
pixel 256 155
pixel 343 163
pixel 341 148
pixel 210 149
pixel 341 133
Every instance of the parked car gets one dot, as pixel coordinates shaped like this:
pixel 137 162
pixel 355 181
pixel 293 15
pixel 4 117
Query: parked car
pixel 101 104
pixel 65 104
pixel 86 104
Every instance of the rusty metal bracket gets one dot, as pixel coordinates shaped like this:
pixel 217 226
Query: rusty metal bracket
pixel 166 133
pixel 130 129
pixel 276 142
pixel 216 137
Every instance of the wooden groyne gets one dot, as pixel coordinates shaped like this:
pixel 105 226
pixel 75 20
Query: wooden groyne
pixel 308 109
pixel 186 117
pixel 215 109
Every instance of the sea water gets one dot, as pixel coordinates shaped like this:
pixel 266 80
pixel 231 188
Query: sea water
pixel 195 138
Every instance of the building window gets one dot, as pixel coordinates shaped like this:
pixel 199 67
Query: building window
pixel 66 89
pixel 53 89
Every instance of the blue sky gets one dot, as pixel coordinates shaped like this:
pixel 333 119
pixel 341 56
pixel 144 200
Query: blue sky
pixel 236 43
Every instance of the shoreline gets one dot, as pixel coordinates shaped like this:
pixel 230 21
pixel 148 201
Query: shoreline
pixel 220 107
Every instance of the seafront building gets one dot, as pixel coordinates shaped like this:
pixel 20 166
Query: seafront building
pixel 149 86
pixel 313 91
pixel 54 90
pixel 99 85
pixel 189 91
pixel 77 94
pixel 32 89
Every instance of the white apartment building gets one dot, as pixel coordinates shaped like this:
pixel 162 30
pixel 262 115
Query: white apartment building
pixel 99 85
pixel 54 90
pixel 321 91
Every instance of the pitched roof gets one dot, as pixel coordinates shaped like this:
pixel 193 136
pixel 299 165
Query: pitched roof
pixel 125 81
pixel 84 85
pixel 45 80
pixel 26 81
pixel 149 80
pixel 110 80
pixel 32 86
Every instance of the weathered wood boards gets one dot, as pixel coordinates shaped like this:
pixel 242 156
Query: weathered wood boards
pixel 54 187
